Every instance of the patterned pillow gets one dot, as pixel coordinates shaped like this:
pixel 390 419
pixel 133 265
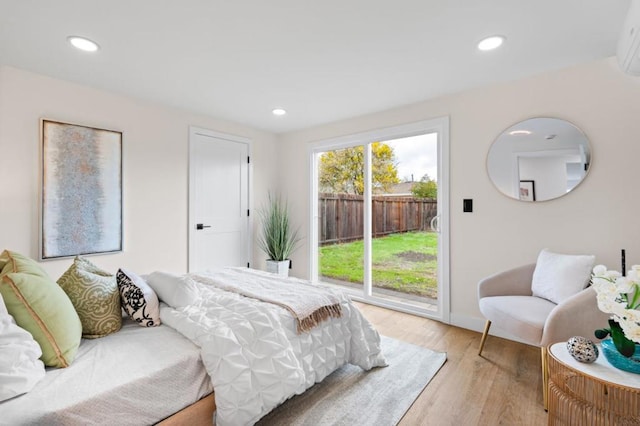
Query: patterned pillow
pixel 94 294
pixel 138 299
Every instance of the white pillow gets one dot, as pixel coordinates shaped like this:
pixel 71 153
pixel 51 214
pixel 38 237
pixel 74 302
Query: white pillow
pixel 559 276
pixel 138 299
pixel 176 291
pixel 20 366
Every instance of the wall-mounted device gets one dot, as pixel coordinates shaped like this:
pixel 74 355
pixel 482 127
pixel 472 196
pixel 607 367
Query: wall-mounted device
pixel 629 43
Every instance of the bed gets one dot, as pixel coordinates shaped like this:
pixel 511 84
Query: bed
pixel 251 351
pixel 128 377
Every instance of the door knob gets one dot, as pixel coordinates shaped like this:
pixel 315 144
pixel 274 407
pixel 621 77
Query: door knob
pixel 201 226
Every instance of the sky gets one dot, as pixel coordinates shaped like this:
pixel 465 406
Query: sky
pixel 417 155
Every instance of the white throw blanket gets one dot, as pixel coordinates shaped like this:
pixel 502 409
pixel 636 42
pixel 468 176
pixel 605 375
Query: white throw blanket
pixel 256 358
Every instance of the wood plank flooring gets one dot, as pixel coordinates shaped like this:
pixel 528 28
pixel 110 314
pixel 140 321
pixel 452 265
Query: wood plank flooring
pixel 501 387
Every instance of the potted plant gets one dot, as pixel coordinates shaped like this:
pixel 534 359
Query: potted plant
pixel 277 239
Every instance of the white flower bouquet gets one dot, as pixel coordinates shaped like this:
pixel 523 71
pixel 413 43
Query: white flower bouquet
pixel 619 296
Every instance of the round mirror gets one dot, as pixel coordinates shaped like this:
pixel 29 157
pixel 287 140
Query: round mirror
pixel 539 159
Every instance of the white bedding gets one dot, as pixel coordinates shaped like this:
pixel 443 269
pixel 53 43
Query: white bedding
pixel 20 366
pixel 254 355
pixel 125 378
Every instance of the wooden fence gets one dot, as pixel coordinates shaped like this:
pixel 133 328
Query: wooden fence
pixel 341 216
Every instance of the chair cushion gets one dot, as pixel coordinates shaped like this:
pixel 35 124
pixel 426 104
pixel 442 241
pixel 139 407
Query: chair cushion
pixel 559 276
pixel 521 316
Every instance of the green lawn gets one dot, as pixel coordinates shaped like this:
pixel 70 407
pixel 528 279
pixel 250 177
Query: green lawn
pixel 405 262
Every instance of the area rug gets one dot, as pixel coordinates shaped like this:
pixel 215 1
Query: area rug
pixel 351 396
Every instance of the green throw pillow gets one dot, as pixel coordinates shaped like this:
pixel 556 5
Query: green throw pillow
pixel 40 306
pixel 94 293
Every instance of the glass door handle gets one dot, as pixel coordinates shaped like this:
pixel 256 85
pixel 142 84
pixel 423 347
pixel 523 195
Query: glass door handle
pixel 435 223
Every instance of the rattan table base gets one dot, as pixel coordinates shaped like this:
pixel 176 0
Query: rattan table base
pixel 577 397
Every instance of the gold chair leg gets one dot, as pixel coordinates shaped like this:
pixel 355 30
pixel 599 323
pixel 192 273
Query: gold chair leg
pixel 484 336
pixel 545 378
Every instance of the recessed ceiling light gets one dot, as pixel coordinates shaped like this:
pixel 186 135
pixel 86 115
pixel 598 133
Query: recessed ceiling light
pixel 491 43
pixel 83 43
pixel 520 132
pixel 279 111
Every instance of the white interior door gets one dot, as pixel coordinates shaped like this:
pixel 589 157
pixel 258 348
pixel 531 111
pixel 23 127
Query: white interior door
pixel 218 200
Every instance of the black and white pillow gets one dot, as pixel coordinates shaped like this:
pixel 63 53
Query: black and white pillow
pixel 138 299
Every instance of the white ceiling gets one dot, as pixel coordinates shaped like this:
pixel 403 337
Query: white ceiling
pixel 320 60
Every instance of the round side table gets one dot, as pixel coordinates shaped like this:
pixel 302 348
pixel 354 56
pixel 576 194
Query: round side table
pixel 590 394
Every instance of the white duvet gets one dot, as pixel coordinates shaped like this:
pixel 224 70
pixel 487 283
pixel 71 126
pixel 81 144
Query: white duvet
pixel 253 354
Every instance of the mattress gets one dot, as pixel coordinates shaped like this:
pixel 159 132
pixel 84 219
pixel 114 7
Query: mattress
pixel 133 377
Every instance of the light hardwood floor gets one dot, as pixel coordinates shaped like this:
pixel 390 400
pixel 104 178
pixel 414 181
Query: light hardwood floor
pixel 501 387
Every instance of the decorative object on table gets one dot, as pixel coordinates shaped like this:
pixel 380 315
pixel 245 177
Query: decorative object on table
pixel 621 362
pixel 81 190
pixel 278 239
pixel 619 296
pixel 582 349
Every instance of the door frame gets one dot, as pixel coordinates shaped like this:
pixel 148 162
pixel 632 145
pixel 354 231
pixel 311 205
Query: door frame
pixel 439 125
pixel 191 222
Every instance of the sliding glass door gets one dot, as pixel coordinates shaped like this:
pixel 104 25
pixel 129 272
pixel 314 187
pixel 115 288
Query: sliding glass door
pixel 404 246
pixel 340 217
pixel 379 202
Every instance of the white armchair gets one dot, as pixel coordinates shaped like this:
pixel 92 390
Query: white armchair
pixel 506 300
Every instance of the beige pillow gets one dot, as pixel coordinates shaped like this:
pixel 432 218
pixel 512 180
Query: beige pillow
pixel 94 294
pixel 41 307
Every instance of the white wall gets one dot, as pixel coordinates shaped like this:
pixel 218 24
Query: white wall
pixel 599 217
pixel 155 172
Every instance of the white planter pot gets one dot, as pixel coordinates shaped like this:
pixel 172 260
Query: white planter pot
pixel 278 267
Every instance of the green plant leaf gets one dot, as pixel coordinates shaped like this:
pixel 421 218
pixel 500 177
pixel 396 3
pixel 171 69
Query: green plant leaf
pixel 277 239
pixel 625 346
pixel 602 333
